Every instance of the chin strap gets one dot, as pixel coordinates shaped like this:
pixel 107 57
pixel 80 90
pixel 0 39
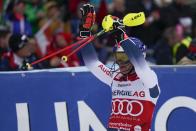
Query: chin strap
pixel 114 69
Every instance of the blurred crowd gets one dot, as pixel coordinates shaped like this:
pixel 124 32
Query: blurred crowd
pixel 32 29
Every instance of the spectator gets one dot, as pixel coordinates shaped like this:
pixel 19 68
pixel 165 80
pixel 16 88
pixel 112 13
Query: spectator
pixel 61 40
pixel 190 57
pixel 4 47
pixel 51 24
pixel 34 11
pixel 52 20
pixel 181 49
pixel 22 52
pixel 18 20
pixel 65 14
pixel 163 53
pixel 173 47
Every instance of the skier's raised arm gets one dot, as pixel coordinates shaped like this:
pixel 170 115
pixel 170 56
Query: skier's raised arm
pixel 88 52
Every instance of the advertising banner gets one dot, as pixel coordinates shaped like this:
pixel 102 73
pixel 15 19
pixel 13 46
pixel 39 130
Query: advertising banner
pixel 74 100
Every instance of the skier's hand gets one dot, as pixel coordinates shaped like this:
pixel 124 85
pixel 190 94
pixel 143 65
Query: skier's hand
pixel 88 20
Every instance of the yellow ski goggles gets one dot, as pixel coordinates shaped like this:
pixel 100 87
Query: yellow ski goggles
pixel 121 58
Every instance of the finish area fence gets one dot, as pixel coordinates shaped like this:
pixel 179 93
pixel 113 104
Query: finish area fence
pixel 74 100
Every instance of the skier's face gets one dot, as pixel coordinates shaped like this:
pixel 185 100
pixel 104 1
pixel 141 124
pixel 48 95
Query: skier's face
pixel 124 63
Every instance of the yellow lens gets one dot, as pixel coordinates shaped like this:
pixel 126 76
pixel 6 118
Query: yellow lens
pixel 120 56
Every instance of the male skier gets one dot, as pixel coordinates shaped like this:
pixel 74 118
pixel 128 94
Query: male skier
pixel 134 87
